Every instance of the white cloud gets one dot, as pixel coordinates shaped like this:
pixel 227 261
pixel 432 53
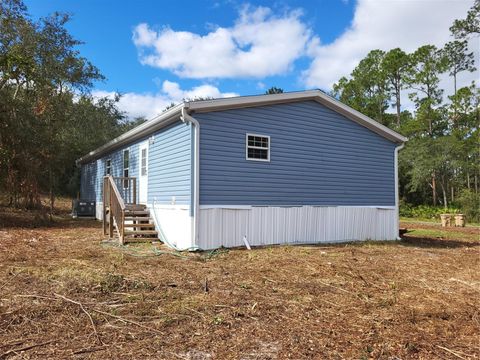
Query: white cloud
pixel 259 44
pixel 386 25
pixel 149 105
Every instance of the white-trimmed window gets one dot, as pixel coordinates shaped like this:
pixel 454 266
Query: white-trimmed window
pixel 257 147
pixel 108 167
pixel 126 167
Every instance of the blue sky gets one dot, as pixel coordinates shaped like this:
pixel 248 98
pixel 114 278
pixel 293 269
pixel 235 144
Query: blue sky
pixel 156 52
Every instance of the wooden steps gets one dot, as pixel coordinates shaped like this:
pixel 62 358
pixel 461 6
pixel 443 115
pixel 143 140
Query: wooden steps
pixel 137 218
pixel 137 213
pixel 138 225
pixel 129 222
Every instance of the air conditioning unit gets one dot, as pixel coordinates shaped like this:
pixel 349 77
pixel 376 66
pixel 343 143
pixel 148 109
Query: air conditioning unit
pixel 83 208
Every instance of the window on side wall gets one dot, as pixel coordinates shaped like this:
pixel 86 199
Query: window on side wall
pixel 144 162
pixel 108 167
pixel 126 166
pixel 257 147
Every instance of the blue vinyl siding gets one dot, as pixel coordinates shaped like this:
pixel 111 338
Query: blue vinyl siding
pixel 169 162
pixel 92 173
pixel 318 157
pixel 90 180
pixel 169 166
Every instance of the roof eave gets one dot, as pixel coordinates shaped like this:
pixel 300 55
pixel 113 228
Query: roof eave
pixel 239 102
pixel 317 95
pixel 136 133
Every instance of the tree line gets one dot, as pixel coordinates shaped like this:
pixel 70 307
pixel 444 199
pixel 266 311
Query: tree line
pixel 440 162
pixel 48 117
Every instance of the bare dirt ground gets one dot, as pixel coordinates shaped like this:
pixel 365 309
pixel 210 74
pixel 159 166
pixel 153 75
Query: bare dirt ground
pixel 63 294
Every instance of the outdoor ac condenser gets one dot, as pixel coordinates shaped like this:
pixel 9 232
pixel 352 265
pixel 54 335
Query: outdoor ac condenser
pixel 83 208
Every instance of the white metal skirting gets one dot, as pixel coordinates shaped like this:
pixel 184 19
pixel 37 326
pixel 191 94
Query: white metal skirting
pixel 174 224
pixel 304 224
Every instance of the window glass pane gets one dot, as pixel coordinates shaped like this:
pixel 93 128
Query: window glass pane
pixel 144 157
pixel 125 181
pixel 258 153
pixel 258 141
pixel 126 159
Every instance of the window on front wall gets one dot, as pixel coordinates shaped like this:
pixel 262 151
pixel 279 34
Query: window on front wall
pixel 258 147
pixel 126 166
pixel 108 167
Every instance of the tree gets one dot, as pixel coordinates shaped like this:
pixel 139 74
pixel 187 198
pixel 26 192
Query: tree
pixel 47 117
pixel 395 66
pixel 458 59
pixel 463 29
pixel 169 106
pixel 426 65
pixel 274 90
pixel 465 128
pixel 367 88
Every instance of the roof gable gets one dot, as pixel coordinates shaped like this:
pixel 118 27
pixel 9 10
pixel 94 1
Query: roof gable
pixel 239 102
pixel 316 95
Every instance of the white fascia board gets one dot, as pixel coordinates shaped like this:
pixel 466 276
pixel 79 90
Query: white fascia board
pixel 136 133
pixel 360 118
pixel 317 95
pixel 249 101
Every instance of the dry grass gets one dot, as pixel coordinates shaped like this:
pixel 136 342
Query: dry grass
pixel 64 295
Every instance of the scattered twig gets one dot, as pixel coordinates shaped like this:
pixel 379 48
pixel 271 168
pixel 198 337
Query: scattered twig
pixel 15 342
pixel 128 321
pixel 24 348
pixel 88 350
pixel 9 280
pixel 335 287
pixel 205 287
pixel 97 311
pixel 451 352
pixel 195 311
pixel 35 296
pixel 86 313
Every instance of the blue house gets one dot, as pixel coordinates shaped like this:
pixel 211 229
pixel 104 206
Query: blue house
pixel 296 167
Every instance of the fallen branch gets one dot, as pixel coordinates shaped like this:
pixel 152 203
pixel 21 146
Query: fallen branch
pixel 24 348
pixel 451 352
pixel 86 313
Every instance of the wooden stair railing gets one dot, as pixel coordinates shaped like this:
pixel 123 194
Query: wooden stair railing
pixel 114 206
pixel 120 210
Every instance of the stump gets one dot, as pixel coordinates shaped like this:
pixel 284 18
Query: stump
pixel 446 220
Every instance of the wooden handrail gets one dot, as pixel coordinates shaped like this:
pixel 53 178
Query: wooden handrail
pixel 116 205
pixel 119 198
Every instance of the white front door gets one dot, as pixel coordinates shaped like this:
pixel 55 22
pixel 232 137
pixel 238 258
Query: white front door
pixel 143 173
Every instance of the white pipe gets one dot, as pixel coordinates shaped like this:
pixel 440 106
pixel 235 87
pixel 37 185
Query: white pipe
pixel 196 185
pixel 397 200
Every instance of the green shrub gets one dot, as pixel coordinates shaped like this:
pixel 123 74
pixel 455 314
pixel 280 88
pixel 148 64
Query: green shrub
pixel 425 211
pixel 470 205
